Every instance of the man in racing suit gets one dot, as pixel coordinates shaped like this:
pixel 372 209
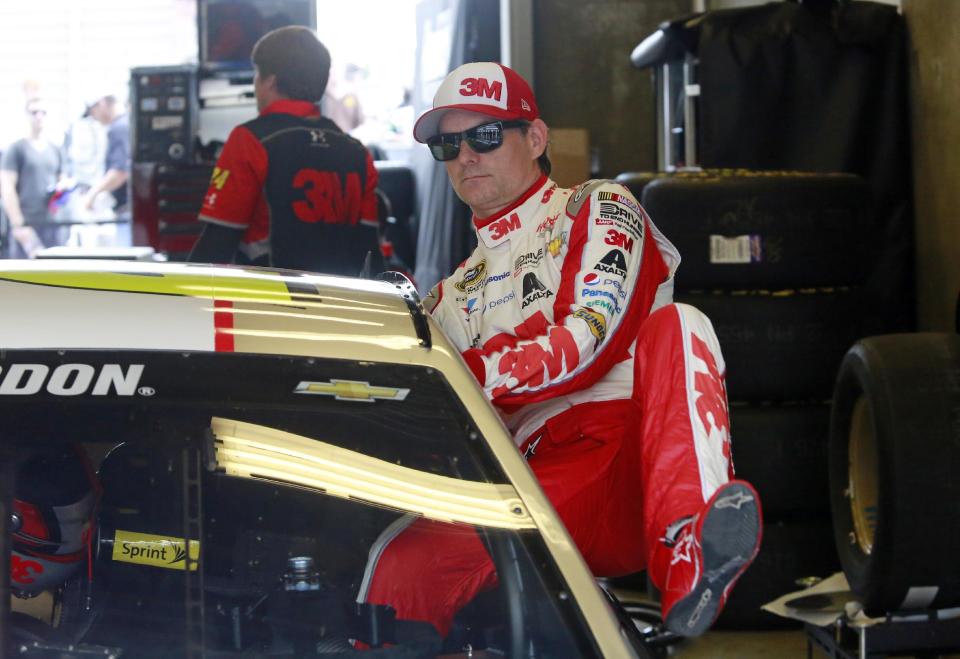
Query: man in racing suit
pixel 614 394
pixel 290 188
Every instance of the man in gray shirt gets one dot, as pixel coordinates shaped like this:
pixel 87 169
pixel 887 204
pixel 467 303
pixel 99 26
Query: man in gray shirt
pixel 29 173
pixel 108 111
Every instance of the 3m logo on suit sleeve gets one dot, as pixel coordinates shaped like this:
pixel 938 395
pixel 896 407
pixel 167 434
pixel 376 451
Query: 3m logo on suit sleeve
pixel 70 379
pixel 480 87
pixel 618 239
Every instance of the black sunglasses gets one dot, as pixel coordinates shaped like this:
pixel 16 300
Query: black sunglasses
pixel 482 139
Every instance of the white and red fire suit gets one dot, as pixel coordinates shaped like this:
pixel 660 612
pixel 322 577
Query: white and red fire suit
pixel 616 395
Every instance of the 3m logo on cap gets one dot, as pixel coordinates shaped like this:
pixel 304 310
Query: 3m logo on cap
pixel 481 87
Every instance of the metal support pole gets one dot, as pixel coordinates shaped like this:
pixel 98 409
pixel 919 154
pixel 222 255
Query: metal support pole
pixel 193 568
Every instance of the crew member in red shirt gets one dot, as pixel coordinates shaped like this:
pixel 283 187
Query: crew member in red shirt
pixel 290 189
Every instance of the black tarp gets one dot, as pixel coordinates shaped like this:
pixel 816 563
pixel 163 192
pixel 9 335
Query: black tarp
pixel 814 86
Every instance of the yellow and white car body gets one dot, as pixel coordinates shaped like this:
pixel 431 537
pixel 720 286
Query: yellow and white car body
pixel 145 312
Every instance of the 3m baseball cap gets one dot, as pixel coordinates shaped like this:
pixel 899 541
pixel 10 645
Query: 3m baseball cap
pixel 485 87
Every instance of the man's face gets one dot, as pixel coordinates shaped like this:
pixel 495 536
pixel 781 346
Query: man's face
pixel 102 111
pixel 37 116
pixel 489 182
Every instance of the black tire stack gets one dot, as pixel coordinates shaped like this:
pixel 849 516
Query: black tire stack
pixel 777 261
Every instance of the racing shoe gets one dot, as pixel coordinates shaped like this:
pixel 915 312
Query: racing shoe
pixel 707 554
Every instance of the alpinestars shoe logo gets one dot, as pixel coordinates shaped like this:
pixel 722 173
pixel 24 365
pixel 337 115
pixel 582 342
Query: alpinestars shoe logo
pixel 533 290
pixel 683 550
pixel 613 263
pixel 735 500
pixel 532 448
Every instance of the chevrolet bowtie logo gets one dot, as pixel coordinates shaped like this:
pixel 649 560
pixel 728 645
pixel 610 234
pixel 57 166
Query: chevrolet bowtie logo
pixel 351 390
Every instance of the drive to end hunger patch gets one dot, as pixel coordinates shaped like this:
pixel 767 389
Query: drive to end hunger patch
pixel 155 550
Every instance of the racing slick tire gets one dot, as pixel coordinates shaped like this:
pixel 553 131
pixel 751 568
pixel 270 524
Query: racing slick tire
pixel 782 345
pixel 894 456
pixel 782 451
pixel 754 229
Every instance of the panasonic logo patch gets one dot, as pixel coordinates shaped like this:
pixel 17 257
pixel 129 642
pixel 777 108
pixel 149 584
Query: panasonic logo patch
pixel 70 379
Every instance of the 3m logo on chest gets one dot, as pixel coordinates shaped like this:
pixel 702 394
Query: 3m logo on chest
pixel 70 379
pixel 481 87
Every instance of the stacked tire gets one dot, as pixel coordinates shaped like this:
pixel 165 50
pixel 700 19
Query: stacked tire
pixel 778 262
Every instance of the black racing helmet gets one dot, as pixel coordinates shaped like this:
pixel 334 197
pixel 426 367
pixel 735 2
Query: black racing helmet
pixel 55 500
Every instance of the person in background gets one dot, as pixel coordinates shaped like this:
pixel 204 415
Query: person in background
pixel 613 393
pixel 290 189
pixel 84 150
pixel 29 173
pixel 107 110
pixel 340 102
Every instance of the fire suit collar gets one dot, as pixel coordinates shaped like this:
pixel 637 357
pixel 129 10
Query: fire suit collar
pixel 481 222
pixel 497 229
pixel 292 106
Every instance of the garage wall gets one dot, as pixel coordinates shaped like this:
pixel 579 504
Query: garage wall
pixel 934 29
pixel 584 78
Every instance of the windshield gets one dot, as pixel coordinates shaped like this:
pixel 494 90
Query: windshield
pixel 178 504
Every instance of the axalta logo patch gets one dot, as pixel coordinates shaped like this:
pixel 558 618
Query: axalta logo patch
pixel 155 550
pixel 72 380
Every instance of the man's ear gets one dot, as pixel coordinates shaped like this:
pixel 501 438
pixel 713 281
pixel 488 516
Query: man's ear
pixel 537 136
pixel 270 82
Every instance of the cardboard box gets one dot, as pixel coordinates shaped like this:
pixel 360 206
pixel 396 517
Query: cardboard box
pixel 569 152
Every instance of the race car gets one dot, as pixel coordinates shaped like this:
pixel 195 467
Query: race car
pixel 199 460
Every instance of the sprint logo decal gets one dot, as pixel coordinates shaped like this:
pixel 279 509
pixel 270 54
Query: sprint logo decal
pixel 154 550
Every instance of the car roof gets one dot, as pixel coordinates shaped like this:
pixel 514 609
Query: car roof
pixel 130 305
pixel 177 306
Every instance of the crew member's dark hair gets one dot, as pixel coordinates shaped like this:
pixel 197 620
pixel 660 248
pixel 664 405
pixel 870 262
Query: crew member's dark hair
pixel 298 59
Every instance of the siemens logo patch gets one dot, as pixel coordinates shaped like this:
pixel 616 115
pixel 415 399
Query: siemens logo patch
pixel 589 292
pixel 72 380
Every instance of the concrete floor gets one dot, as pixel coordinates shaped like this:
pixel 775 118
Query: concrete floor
pixel 746 645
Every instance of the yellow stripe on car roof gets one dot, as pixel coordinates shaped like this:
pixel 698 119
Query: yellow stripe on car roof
pixel 191 285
